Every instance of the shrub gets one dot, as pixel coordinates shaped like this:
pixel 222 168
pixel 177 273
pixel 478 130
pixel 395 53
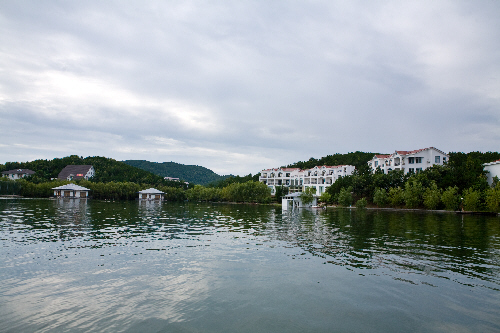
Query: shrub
pixel 345 196
pixel 493 198
pixel 380 197
pixel 413 193
pixel 471 199
pixel 450 198
pixel 432 196
pixel 308 195
pixel 325 197
pixel 396 197
pixel 361 203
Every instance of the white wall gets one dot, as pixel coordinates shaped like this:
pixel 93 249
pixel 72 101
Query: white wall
pixel 493 170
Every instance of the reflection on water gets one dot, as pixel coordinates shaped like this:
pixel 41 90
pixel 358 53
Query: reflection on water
pixel 78 265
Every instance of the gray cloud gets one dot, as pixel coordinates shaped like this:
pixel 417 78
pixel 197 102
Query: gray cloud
pixel 246 85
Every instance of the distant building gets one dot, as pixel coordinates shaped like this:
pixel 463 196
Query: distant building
pixel 151 194
pixel 296 180
pixel 74 172
pixel 18 173
pixel 71 191
pixel 172 179
pixel 412 161
pixel 493 169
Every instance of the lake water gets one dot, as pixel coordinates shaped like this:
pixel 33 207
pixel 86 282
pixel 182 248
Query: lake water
pixel 80 266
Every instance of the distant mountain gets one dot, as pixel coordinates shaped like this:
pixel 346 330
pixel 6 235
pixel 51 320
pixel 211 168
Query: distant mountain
pixel 190 173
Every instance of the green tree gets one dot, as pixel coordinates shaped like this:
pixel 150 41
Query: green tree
pixel 325 197
pixel 361 203
pixel 432 196
pixel 492 197
pixel 413 193
pixel 307 196
pixel 471 199
pixel 380 197
pixel 396 196
pixel 451 198
pixel 345 197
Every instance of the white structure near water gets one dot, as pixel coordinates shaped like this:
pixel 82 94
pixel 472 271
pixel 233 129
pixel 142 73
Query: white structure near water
pixel 493 169
pixel 409 161
pixel 71 191
pixel 293 200
pixel 297 180
pixel 18 173
pixel 151 194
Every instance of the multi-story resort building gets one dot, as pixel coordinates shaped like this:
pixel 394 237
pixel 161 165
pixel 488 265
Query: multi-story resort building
pixel 319 177
pixel 409 161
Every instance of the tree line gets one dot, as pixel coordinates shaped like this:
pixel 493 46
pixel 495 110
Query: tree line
pixel 460 184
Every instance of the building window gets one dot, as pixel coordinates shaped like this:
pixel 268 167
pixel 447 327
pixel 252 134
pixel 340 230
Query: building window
pixel 437 159
pixel 444 159
pixel 376 163
pixel 411 160
pixel 418 170
pixel 418 159
pixel 411 170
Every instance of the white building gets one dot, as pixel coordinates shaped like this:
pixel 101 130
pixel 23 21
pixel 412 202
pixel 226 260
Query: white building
pixel 18 173
pixel 319 177
pixel 493 169
pixel 293 200
pixel 281 177
pixel 151 194
pixel 409 161
pixel 71 191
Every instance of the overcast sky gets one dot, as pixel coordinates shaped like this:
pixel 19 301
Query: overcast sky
pixel 239 86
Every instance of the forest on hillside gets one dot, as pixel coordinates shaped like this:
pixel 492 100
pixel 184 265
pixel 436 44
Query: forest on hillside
pixel 191 173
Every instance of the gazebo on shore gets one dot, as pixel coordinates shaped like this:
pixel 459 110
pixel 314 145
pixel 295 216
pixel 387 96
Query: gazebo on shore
pixel 71 191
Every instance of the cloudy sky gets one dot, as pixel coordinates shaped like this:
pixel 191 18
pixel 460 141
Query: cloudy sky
pixel 238 86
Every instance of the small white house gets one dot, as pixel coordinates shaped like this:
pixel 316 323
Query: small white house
pixel 71 191
pixel 493 169
pixel 151 194
pixel 293 200
pixel 18 173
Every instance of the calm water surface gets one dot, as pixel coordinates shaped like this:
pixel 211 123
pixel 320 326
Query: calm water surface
pixel 78 266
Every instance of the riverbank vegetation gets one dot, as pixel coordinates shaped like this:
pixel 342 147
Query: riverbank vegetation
pixel 459 185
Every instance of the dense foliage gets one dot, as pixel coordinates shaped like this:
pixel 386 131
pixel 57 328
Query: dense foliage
pixel 358 159
pixel 250 191
pixel 234 179
pixel 191 173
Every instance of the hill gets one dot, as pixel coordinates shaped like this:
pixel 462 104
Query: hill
pixel 106 170
pixel 190 173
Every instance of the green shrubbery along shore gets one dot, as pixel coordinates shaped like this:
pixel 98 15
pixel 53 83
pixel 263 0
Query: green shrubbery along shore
pixel 459 185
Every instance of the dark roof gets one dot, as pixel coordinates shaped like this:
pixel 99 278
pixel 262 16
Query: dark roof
pixel 77 171
pixel 19 172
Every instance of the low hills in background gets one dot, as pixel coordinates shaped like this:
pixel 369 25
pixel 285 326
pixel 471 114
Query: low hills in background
pixel 191 173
